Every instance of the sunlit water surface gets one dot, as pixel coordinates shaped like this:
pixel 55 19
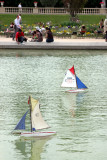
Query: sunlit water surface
pixel 80 120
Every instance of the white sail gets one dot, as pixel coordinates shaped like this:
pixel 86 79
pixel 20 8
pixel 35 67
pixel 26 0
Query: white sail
pixel 69 80
pixel 36 117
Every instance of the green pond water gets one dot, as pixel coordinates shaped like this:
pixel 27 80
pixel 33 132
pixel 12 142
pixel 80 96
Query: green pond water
pixel 80 119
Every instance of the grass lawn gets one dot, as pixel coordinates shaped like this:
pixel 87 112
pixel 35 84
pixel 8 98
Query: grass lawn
pixel 6 19
pixel 91 19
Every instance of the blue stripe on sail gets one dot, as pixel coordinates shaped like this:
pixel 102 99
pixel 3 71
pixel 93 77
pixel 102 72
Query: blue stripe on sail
pixel 80 85
pixel 21 123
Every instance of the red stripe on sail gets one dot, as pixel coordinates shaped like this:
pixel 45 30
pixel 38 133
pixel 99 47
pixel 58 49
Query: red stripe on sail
pixel 72 70
pixel 28 101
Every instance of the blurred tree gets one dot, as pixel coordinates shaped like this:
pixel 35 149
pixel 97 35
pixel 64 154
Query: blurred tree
pixel 74 6
pixel 59 4
pixel 93 4
pixel 48 3
pixel 27 3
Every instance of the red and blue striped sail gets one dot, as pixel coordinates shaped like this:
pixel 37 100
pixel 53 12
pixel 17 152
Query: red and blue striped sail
pixel 21 123
pixel 80 85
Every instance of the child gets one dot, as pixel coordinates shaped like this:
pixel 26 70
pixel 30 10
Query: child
pixel 34 38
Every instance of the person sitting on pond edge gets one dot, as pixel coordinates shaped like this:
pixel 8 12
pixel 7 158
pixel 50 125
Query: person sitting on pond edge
pixel 39 36
pixel 49 35
pixel 20 37
pixel 106 36
pixel 83 30
pixel 34 38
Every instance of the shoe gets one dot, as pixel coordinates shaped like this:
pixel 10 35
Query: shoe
pixel 22 43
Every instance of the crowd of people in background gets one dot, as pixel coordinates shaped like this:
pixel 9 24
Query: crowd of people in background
pixel 37 34
pixel 102 28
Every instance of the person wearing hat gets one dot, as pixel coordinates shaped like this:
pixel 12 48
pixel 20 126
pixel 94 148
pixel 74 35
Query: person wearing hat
pixel 20 37
pixel 34 38
pixel 39 36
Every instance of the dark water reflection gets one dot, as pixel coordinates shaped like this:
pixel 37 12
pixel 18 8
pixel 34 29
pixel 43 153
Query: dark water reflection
pixel 80 120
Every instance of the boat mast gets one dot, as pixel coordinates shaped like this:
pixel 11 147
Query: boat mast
pixel 76 81
pixel 30 111
pixel 75 77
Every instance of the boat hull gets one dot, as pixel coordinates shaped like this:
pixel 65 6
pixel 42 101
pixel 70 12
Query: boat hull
pixel 38 134
pixel 76 90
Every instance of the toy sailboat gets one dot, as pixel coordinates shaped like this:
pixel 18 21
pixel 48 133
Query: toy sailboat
pixel 71 80
pixel 36 119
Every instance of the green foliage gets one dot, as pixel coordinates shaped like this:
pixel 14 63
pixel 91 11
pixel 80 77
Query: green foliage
pixel 48 3
pixel 91 19
pixel 32 19
pixel 27 3
pixel 69 23
pixel 6 19
pixel 59 4
pixel 60 24
pixel 93 3
pixel 74 6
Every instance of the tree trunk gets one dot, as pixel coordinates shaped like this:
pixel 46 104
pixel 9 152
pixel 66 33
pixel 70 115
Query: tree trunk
pixel 73 14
